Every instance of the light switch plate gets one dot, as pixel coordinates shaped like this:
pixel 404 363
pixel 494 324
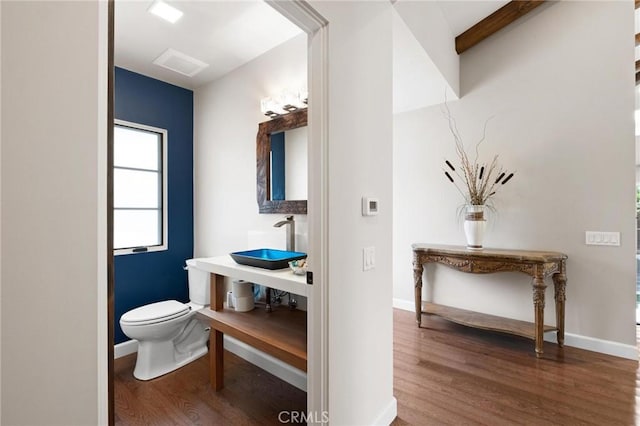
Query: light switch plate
pixel 599 238
pixel 368 258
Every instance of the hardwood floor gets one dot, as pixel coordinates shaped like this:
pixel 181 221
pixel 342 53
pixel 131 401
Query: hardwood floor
pixel 251 396
pixel 444 373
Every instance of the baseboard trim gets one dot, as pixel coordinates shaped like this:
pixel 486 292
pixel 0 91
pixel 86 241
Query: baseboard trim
pixel 125 348
pixel 596 345
pixel 387 415
pixel 574 340
pixel 404 305
pixel 289 374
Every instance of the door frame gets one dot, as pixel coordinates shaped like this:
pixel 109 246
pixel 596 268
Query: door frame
pixel 315 25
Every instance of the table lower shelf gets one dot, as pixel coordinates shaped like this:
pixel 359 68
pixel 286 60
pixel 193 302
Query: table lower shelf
pixel 281 333
pixel 484 321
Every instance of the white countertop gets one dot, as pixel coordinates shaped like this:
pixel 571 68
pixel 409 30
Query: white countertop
pixel 280 279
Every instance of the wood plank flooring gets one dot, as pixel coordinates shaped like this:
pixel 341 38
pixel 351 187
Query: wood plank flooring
pixel 444 373
pixel 251 396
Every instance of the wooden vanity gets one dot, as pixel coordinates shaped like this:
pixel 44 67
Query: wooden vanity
pixel 281 333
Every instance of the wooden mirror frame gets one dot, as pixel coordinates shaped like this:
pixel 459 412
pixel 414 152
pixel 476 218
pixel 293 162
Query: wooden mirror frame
pixel 289 121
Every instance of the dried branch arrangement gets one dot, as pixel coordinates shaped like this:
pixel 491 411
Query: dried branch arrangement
pixel 478 181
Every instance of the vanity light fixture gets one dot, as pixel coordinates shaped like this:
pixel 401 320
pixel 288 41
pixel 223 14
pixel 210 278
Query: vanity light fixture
pixel 271 108
pixel 165 11
pixel 284 103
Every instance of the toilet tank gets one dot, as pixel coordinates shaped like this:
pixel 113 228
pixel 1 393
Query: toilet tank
pixel 199 289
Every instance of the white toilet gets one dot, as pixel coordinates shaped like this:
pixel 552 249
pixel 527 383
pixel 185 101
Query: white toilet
pixel 169 335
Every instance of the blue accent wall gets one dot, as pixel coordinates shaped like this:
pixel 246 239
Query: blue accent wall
pixel 144 278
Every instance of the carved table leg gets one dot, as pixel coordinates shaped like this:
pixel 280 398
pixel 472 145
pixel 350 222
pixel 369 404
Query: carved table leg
pixel 559 284
pixel 538 303
pixel 417 278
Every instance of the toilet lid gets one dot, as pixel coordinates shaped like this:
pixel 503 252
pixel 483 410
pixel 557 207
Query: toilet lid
pixel 155 312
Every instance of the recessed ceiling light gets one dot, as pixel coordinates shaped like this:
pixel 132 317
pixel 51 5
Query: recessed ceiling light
pixel 165 11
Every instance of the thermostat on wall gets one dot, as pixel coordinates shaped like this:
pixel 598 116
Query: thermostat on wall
pixel 369 206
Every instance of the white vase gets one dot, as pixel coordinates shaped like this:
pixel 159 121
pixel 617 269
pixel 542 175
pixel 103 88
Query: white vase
pixel 474 226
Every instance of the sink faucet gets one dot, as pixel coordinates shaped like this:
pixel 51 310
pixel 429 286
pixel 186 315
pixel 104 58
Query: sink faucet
pixel 291 231
pixel 291 246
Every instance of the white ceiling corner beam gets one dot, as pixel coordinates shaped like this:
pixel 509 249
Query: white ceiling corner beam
pixel 426 21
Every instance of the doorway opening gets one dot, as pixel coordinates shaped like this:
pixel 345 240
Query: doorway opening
pixel 315 28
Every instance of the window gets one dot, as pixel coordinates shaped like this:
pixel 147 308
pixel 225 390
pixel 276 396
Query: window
pixel 139 188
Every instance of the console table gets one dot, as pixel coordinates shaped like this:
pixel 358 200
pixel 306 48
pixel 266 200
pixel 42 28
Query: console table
pixel 537 264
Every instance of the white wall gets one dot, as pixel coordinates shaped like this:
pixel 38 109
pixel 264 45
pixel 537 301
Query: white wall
pixel 0 216
pixel 561 89
pixel 417 82
pixel 226 117
pixel 428 24
pixel 53 207
pixel 359 138
pixel 295 168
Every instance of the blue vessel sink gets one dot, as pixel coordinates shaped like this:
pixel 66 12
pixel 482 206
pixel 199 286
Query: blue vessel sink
pixel 267 258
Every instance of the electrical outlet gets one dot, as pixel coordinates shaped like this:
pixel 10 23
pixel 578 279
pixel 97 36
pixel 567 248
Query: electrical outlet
pixel 598 238
pixel 368 258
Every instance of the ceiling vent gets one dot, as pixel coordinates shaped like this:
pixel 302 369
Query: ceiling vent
pixel 180 63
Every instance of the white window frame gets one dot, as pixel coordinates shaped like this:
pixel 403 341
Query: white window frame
pixel 165 213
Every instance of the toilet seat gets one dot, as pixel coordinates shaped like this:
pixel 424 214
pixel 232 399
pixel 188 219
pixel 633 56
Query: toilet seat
pixel 155 313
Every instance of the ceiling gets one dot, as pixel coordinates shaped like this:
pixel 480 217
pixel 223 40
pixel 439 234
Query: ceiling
pixel 461 15
pixel 222 34
pixel 228 34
